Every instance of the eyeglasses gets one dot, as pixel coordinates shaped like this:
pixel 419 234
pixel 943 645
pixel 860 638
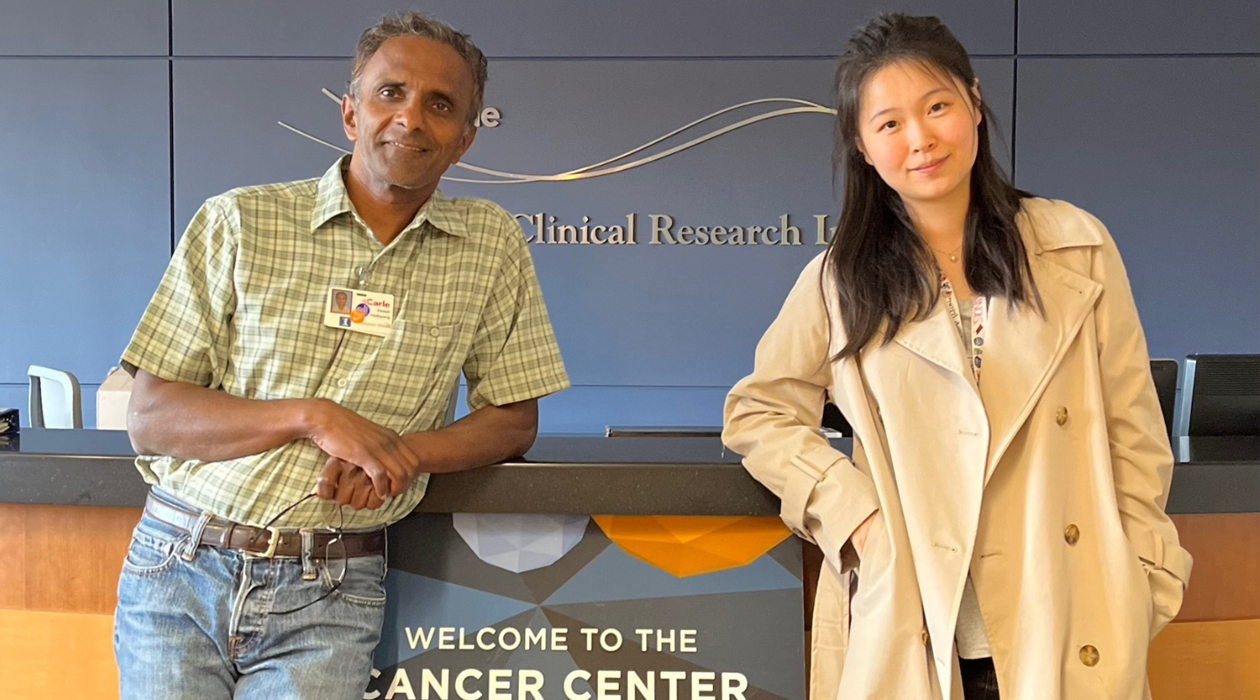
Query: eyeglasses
pixel 335 559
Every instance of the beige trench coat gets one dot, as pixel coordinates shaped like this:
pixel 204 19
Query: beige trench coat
pixel 1047 482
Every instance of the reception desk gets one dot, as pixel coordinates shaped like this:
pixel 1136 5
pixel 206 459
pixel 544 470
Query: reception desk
pixel 69 499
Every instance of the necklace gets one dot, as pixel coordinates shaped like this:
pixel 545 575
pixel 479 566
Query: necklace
pixel 953 257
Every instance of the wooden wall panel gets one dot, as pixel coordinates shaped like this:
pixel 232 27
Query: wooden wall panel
pixel 45 655
pixel 1225 582
pixel 12 556
pixel 1206 661
pixel 74 555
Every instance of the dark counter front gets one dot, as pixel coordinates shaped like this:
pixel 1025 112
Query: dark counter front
pixel 566 475
pixel 560 475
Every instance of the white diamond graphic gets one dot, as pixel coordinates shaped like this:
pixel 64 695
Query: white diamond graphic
pixel 520 543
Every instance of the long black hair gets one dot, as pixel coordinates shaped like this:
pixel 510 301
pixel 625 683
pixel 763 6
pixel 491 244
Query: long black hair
pixel 883 271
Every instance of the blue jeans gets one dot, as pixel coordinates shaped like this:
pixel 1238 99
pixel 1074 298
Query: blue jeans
pixel 198 628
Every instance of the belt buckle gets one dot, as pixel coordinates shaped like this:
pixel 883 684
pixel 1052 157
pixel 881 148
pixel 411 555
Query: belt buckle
pixel 272 542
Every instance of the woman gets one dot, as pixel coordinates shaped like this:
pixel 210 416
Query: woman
pixel 1004 504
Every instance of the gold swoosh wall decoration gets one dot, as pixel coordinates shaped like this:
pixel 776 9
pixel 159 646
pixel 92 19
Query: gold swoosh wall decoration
pixel 607 167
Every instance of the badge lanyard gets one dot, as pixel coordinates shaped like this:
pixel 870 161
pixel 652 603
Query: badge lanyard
pixel 979 314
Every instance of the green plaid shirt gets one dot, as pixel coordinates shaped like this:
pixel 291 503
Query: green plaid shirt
pixel 241 308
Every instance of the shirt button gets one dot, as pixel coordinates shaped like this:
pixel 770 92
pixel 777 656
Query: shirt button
pixel 1072 534
pixel 341 383
pixel 434 332
pixel 1089 655
pixel 1061 416
pixel 925 636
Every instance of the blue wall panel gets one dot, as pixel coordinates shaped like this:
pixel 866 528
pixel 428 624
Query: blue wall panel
pixel 226 131
pixel 576 28
pixel 591 409
pixel 1165 151
pixel 644 315
pixel 85 188
pixel 77 28
pixel 1150 26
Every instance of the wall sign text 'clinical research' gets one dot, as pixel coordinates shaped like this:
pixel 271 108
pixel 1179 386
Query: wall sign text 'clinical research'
pixel 662 229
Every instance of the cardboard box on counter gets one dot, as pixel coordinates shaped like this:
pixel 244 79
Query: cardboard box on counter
pixel 111 400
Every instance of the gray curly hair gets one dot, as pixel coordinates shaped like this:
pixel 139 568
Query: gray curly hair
pixel 424 27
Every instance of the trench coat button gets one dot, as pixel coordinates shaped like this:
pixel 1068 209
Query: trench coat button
pixel 925 636
pixel 1061 416
pixel 1089 655
pixel 1072 534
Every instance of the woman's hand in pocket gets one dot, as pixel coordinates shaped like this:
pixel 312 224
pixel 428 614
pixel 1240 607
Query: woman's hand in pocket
pixel 858 538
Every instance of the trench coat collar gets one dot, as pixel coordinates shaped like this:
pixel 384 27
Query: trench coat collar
pixel 1023 347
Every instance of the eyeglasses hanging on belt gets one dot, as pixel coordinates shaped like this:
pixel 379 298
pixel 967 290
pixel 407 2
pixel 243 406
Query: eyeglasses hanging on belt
pixel 335 557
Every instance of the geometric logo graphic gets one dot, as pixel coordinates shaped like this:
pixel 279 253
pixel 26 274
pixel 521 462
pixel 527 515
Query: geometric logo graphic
pixel 520 543
pixel 615 576
pixel 692 545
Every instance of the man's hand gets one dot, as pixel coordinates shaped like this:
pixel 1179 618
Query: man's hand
pixel 384 457
pixel 485 436
pixel 347 485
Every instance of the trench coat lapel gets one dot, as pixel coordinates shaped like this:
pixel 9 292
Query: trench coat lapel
pixel 935 339
pixel 1022 349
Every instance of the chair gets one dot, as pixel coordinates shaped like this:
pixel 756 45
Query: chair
pixel 1220 395
pixel 55 399
pixel 1164 372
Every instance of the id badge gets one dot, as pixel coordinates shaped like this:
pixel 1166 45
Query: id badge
pixel 359 311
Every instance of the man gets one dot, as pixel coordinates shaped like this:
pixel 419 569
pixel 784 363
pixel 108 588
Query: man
pixel 341 302
pixel 250 392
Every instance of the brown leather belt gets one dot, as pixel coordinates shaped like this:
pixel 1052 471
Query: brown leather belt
pixel 264 542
